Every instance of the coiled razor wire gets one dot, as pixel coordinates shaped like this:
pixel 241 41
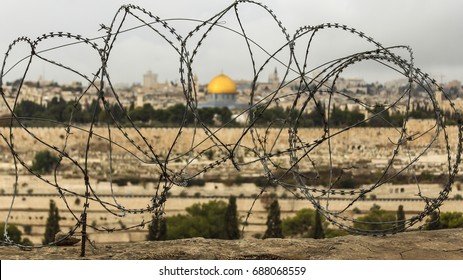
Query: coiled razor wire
pixel 293 176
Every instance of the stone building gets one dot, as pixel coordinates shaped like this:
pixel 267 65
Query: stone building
pixel 150 80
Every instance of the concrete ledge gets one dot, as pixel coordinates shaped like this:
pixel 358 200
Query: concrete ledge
pixel 429 245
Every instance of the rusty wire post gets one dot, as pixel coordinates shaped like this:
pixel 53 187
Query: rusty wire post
pixel 84 234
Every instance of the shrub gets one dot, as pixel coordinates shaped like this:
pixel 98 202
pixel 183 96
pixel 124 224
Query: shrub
pixel 202 220
pixel 376 219
pixel 300 225
pixel 347 184
pixel 445 220
pixel 306 224
pixel 44 162
pixel 13 233
pixel 452 220
pixel 197 182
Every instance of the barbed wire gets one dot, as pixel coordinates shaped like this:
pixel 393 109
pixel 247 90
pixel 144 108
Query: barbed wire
pixel 298 172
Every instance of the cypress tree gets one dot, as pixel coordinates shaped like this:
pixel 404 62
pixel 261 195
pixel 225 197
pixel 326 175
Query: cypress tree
pixel 400 218
pixel 274 229
pixel 231 220
pixel 318 232
pixel 157 229
pixel 52 225
pixel 153 229
pixel 163 229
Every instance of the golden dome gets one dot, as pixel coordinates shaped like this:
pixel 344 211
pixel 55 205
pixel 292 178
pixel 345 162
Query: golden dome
pixel 221 84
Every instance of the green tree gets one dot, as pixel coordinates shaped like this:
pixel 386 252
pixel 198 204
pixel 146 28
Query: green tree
pixel 94 110
pixel 345 117
pixel 116 113
pixel 13 233
pixel 157 229
pixel 56 110
pixel 28 109
pixel 202 220
pixel 52 225
pixel 380 117
pixel 44 162
pixel 315 118
pixel 231 219
pixel 318 232
pixel 304 224
pixel 142 114
pixel 397 119
pixel 274 228
pixel 376 219
pixel 401 218
pixel 178 113
pixel 301 225
pixel 266 116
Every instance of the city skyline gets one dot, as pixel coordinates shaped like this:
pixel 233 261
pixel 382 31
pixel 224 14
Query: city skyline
pixel 432 32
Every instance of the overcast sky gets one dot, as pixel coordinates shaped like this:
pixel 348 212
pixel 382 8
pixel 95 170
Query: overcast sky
pixel 434 29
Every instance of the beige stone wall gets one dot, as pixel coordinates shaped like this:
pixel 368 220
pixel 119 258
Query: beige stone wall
pixel 366 148
pixel 28 210
pixel 372 146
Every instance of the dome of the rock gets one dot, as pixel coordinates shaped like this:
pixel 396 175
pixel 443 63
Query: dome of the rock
pixel 221 84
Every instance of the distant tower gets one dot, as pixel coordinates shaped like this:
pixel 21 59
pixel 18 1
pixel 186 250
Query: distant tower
pixel 140 101
pixel 273 78
pixel 196 83
pixel 438 95
pixel 150 80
